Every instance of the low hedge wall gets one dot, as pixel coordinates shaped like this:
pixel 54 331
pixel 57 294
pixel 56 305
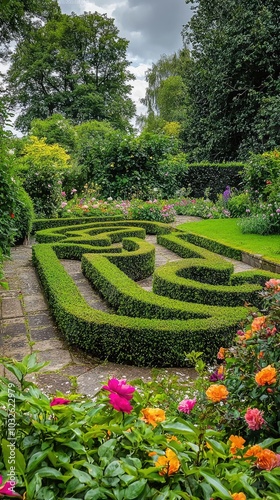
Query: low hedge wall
pixel 39 224
pixel 148 329
pixel 215 176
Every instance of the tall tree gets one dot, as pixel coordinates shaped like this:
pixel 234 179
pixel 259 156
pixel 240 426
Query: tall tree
pixel 19 16
pixel 166 88
pixel 76 66
pixel 234 85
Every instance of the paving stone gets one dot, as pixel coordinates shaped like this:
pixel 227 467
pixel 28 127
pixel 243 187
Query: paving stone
pixel 17 353
pixel 52 382
pixel 44 345
pixel 41 334
pixel 75 370
pixel 15 329
pixel 40 319
pixel 36 302
pixel 57 358
pixel 11 308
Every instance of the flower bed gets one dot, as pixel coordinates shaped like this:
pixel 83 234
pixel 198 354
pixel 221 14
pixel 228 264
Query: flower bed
pixel 152 440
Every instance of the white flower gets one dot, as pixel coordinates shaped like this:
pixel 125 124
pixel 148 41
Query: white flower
pixel 110 198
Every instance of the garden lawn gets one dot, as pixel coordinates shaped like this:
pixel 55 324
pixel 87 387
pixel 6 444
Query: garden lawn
pixel 227 231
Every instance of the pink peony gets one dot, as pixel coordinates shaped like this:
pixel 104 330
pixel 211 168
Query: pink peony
pixel 254 419
pixel 187 405
pixel 120 388
pixel 59 401
pixel 119 403
pixel 8 489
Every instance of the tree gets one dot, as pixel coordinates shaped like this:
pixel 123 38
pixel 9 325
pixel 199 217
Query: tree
pixel 76 66
pixel 56 130
pixel 234 82
pixel 19 16
pixel 166 92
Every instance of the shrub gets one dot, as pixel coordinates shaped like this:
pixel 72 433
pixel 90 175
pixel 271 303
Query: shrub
pixel 261 176
pixel 238 204
pixel 24 216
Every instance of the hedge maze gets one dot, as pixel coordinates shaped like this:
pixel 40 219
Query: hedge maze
pixel 197 303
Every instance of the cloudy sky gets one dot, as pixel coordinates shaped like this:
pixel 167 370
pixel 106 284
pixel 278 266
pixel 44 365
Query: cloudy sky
pixel 153 28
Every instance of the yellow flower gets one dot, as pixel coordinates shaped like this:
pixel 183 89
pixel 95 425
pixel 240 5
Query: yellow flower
pixel 169 462
pixel 217 393
pixel 153 416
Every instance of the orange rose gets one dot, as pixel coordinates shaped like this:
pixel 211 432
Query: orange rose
pixel 237 443
pixel 266 376
pixel 221 370
pixel 221 353
pixel 153 416
pixel 258 323
pixel 169 462
pixel 239 496
pixel 254 451
pixel 267 459
pixel 248 334
pixel 217 393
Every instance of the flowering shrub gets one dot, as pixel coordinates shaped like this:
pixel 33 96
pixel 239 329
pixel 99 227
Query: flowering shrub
pixel 73 448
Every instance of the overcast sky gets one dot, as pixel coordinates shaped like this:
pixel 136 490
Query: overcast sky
pixel 152 27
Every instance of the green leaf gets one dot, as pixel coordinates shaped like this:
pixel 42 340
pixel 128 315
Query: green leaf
pixel 217 485
pixel 134 489
pixel 107 448
pixel 50 472
pixel 95 494
pixel 83 477
pixel 180 428
pixel 12 456
pixel 36 459
pixel 113 469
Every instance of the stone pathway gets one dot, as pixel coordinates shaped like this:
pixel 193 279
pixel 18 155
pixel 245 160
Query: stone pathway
pixel 26 326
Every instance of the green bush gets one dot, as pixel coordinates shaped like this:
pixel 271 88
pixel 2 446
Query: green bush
pixel 24 216
pixel 262 176
pixel 238 204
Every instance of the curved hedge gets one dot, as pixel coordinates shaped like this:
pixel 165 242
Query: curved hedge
pixel 147 328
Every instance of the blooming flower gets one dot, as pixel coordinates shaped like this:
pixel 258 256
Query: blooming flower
pixel 119 403
pixel 266 376
pixel 237 443
pixel 258 323
pixel 217 393
pixel 153 416
pixel 59 401
pixel 187 405
pixel 119 387
pixel 239 496
pixel 73 191
pixel 254 419
pixel 266 459
pixel 63 193
pixel 63 204
pixel 215 376
pixel 8 489
pixel 221 353
pixel 169 462
pixel 12 215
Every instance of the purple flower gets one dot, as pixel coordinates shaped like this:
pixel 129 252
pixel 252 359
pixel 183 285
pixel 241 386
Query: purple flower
pixel 187 405
pixel 215 376
pixel 226 193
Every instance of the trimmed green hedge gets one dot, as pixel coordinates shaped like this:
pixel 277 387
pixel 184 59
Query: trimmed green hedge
pixel 147 328
pixel 39 224
pixel 215 176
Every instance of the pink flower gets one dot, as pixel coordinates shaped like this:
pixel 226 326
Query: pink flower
pixel 119 403
pixel 63 193
pixel 59 401
pixel 187 405
pixel 63 204
pixel 120 388
pixel 8 489
pixel 254 419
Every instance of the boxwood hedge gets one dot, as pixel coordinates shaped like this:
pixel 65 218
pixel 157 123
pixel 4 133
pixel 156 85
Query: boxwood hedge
pixel 146 328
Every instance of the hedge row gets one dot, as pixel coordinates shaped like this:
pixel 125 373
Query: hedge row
pixel 39 224
pixel 215 176
pixel 148 329
pixel 123 339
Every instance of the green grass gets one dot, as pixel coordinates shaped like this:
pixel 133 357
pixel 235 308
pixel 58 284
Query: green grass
pixel 227 231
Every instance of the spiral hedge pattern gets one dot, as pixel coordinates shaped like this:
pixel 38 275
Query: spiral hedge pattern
pixel 197 303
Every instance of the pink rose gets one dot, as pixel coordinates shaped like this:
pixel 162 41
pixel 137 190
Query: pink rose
pixel 254 419
pixel 187 405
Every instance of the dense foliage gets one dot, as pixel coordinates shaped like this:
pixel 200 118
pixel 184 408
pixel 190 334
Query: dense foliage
pixel 213 437
pixel 74 65
pixel 234 78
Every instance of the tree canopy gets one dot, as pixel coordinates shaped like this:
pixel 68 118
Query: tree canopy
pixel 234 84
pixel 76 66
